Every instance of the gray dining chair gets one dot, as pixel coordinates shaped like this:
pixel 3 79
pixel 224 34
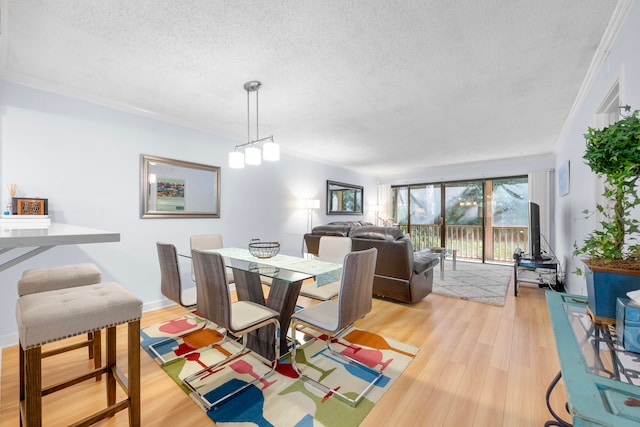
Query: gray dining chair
pixel 331 249
pixel 171 288
pixel 238 319
pixel 335 317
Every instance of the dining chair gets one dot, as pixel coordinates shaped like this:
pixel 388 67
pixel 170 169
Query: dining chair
pixel 331 249
pixel 237 318
pixel 204 242
pixel 335 317
pixel 171 288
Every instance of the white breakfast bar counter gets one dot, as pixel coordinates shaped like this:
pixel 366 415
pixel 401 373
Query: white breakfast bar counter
pixel 45 238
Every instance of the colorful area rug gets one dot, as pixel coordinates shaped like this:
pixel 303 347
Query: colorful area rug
pixel 281 399
pixel 486 283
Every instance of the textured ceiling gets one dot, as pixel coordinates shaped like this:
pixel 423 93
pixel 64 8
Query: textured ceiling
pixel 383 87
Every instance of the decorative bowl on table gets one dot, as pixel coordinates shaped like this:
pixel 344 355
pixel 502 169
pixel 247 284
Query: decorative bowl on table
pixel 263 249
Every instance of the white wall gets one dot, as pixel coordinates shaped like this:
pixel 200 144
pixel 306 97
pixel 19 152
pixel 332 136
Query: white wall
pixel 477 170
pixel 86 160
pixel 622 61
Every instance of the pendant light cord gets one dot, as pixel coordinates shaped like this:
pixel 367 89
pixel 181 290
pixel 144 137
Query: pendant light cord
pixel 249 116
pixel 257 119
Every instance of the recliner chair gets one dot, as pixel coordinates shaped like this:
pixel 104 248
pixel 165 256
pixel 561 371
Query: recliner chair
pixel 400 274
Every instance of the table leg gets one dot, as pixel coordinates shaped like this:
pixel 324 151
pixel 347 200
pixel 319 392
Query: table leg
pixel 443 256
pixel 248 286
pixel 557 421
pixel 515 278
pixel 282 298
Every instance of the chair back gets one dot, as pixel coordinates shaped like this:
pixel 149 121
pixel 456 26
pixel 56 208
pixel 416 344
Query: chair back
pixel 202 242
pixel 206 241
pixel 214 299
pixel 355 298
pixel 334 248
pixel 170 285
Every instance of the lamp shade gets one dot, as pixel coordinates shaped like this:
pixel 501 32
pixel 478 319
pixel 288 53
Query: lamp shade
pixel 309 204
pixel 236 160
pixel 271 152
pixel 313 204
pixel 253 156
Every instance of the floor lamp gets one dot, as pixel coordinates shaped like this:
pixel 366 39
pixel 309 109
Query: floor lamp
pixel 376 210
pixel 309 205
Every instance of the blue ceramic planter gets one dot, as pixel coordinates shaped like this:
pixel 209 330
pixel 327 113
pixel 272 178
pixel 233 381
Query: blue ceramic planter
pixel 604 287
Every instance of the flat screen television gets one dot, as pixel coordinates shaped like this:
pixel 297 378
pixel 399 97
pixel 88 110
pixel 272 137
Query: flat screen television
pixel 535 252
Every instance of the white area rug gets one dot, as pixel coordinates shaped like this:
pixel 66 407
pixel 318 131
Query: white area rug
pixel 486 283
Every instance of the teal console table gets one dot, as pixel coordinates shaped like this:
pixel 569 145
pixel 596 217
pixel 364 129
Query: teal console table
pixel 601 380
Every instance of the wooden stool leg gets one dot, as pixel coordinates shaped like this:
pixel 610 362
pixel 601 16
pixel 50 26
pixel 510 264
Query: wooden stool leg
pixel 32 388
pixel 91 347
pixel 21 379
pixel 21 374
pixel 111 365
pixel 134 373
pixel 96 351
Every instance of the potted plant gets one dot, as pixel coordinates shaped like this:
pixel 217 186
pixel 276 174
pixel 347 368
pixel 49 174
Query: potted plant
pixel 613 252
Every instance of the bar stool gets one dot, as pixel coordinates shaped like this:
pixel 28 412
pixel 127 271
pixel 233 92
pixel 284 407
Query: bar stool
pixel 67 276
pixel 49 316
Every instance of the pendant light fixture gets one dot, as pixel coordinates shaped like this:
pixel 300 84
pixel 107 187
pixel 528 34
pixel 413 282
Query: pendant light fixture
pixel 252 154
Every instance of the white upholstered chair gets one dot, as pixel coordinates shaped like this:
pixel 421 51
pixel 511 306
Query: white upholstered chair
pixel 335 317
pixel 238 318
pixel 207 241
pixel 331 249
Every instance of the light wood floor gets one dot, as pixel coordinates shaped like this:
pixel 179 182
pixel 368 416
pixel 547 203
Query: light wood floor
pixel 478 365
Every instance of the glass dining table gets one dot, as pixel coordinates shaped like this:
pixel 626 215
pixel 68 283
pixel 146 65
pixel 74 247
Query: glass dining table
pixel 287 274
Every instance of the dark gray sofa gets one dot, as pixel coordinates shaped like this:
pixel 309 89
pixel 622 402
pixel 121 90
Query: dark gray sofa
pixel 401 274
pixel 336 228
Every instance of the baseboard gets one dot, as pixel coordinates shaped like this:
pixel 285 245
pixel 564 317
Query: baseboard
pixel 8 340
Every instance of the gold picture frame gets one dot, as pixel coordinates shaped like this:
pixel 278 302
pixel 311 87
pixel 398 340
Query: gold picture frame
pixel 22 206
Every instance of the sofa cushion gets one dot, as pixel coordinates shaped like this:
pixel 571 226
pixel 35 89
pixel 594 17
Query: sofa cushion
pixel 377 233
pixel 331 230
pixel 351 223
pixel 337 228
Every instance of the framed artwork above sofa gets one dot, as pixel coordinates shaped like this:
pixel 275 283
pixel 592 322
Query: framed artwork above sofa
pixel 344 199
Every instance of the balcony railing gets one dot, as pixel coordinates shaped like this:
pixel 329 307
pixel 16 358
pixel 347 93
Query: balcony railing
pixel 468 241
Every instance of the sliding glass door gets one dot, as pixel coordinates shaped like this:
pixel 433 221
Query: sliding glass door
pixel 464 218
pixel 417 209
pixel 507 220
pixel 483 220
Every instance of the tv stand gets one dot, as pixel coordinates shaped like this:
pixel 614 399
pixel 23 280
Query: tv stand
pixel 529 274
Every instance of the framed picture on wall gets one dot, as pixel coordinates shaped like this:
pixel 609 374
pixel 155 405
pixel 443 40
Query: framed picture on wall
pixel 170 194
pixel 171 188
pixel 563 179
pixel 21 206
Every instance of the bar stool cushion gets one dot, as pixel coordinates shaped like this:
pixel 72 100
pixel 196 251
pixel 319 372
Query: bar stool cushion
pixel 49 279
pixel 53 315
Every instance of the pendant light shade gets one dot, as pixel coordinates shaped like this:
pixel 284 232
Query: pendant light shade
pixel 271 151
pixel 236 160
pixel 252 154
